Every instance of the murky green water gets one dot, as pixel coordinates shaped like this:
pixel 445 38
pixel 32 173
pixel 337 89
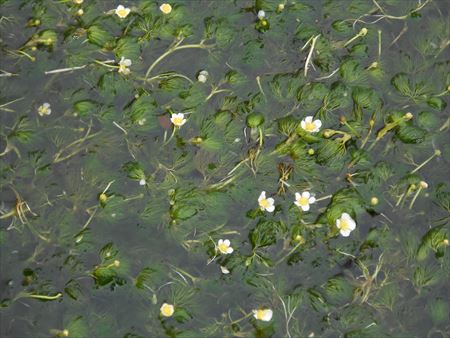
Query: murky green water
pixel 108 210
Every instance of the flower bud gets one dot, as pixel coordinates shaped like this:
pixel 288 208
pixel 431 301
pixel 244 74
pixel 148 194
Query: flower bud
pixel 254 120
pixel 408 116
pixel 423 184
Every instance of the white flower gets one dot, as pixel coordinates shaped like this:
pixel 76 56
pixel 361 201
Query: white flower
pixel 345 224
pixel 44 109
pixel 224 270
pixel 122 12
pixel 178 119
pixel 203 76
pixel 78 2
pixel 266 203
pixel 224 246
pixel 165 8
pixel 142 181
pixel 123 66
pixel 263 314
pixel 142 121
pixel 311 126
pixel 261 14
pixel 304 199
pixel 80 12
pixel 167 310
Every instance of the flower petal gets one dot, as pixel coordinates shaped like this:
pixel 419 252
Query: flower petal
pixel 227 242
pixel 220 242
pixel 267 315
pixel 305 207
pixel 318 124
pixel 308 119
pixel 351 224
pixel 338 223
pixel 303 124
pixel 306 194
pixel 312 200
pixel 345 233
pixel 270 208
pixel 262 196
pixel 230 250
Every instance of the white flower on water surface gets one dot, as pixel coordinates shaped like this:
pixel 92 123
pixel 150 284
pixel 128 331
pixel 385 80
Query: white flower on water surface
pixel 178 119
pixel 345 224
pixel 165 8
pixel 263 314
pixel 123 66
pixel 44 109
pixel 142 181
pixel 122 12
pixel 311 126
pixel 261 14
pixel 224 270
pixel 167 310
pixel 266 203
pixel 304 199
pixel 224 246
pixel 203 76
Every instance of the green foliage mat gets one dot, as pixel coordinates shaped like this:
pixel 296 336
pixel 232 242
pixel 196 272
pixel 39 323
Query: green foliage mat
pixel 136 143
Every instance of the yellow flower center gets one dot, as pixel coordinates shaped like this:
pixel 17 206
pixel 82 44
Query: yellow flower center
pixel 303 201
pixel 178 121
pixel 223 247
pixel 345 225
pixel 261 314
pixel 310 126
pixel 264 203
pixel 122 12
pixel 167 310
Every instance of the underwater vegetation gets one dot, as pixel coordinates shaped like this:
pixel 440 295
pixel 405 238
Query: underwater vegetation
pixel 219 168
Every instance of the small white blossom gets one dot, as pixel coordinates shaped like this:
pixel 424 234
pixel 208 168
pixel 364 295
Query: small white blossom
pixel 261 14
pixel 345 224
pixel 263 314
pixel 142 181
pixel 167 310
pixel 266 203
pixel 224 246
pixel 311 126
pixel 123 66
pixel 304 199
pixel 122 12
pixel 178 119
pixel 203 76
pixel 165 8
pixel 44 109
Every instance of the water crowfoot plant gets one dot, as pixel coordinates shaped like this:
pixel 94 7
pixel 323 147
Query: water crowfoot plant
pixel 224 168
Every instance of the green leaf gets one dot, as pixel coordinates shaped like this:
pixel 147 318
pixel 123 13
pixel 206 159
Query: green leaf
pixel 437 103
pixel 85 108
pixel 410 134
pixel 128 48
pixel 98 36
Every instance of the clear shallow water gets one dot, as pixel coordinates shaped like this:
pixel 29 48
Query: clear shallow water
pixel 59 239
